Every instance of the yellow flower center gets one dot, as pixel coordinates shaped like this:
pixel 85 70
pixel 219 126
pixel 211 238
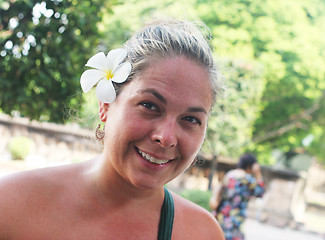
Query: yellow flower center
pixel 109 74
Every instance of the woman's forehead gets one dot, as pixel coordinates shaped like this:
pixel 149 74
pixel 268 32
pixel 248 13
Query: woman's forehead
pixel 176 77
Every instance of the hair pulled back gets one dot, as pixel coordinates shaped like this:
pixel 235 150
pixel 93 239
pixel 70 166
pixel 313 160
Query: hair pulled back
pixel 169 38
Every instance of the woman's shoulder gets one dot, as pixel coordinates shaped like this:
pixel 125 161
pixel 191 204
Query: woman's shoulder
pixel 31 184
pixel 21 182
pixel 32 179
pixel 24 190
pixel 20 195
pixel 28 197
pixel 37 181
pixel 194 222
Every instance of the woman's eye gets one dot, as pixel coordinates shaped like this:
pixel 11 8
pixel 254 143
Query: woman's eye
pixel 192 119
pixel 149 106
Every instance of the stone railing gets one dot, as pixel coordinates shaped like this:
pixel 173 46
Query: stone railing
pixel 53 143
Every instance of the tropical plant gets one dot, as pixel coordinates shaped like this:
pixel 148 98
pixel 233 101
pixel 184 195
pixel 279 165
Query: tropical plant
pixel 44 46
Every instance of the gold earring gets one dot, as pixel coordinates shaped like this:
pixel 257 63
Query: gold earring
pixel 100 134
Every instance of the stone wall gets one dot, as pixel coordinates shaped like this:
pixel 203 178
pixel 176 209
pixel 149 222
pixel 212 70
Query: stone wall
pixel 53 143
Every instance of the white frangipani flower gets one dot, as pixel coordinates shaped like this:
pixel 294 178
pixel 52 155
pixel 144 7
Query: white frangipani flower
pixel 107 69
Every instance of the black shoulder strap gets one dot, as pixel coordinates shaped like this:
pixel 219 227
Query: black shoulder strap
pixel 166 217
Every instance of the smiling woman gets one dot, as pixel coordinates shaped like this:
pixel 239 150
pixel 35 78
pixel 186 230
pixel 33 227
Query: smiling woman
pixel 155 96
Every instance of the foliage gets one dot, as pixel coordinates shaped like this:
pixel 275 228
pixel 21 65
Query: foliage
pixel 44 46
pixel 129 16
pixel 88 114
pixel 317 146
pixel 287 38
pixel 231 122
pixel 20 147
pixel 197 196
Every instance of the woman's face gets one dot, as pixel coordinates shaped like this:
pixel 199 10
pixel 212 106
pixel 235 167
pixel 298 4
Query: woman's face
pixel 156 126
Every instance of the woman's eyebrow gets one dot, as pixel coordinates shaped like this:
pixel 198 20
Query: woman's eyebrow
pixel 197 109
pixel 162 99
pixel 155 93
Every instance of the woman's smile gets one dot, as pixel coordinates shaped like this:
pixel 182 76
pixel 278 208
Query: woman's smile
pixel 152 159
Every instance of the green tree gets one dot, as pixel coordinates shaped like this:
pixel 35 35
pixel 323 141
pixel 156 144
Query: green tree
pixel 231 123
pixel 44 46
pixel 130 15
pixel 287 38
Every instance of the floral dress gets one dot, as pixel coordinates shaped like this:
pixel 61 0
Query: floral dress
pixel 238 187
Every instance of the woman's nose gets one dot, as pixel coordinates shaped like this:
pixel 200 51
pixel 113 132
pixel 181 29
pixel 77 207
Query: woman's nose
pixel 165 134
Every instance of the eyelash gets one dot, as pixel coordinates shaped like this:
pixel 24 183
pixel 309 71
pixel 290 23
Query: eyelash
pixel 192 119
pixel 149 106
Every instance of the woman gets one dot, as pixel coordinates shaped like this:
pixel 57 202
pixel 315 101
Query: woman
pixel 165 83
pixel 231 198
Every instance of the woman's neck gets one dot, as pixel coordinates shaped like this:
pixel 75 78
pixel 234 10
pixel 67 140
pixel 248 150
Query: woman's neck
pixel 109 185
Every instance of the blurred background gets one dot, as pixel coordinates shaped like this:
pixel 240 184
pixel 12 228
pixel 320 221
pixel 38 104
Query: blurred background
pixel 271 54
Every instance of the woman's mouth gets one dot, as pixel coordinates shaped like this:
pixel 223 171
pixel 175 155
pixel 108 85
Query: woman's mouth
pixel 152 159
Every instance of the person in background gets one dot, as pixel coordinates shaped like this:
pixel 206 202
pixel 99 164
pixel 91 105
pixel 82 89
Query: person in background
pixel 155 95
pixel 231 197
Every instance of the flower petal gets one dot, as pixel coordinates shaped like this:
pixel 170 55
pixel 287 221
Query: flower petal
pixel 97 61
pixel 115 57
pixel 105 91
pixel 89 78
pixel 121 73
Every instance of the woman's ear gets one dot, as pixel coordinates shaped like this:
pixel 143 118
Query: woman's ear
pixel 103 107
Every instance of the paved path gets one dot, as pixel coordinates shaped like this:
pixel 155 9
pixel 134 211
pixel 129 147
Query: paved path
pixel 258 231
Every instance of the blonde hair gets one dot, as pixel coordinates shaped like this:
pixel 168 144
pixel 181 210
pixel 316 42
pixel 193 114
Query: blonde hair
pixel 168 38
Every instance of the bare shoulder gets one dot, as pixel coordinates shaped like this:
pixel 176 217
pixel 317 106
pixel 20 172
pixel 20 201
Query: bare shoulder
pixel 34 184
pixel 194 222
pixel 25 194
pixel 16 188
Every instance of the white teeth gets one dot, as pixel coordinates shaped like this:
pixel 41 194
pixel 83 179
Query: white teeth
pixel 152 159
